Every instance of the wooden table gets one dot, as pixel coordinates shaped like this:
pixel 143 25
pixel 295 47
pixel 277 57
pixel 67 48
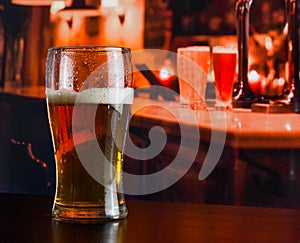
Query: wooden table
pixel 27 219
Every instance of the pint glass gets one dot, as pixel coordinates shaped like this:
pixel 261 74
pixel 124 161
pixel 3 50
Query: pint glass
pixel 192 68
pixel 224 65
pixel 89 93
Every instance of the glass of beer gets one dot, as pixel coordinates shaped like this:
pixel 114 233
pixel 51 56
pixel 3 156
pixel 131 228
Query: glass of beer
pixel 89 93
pixel 224 66
pixel 200 55
pixel 182 72
pixel 192 68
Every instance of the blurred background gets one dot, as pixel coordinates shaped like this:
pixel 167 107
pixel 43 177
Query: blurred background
pixel 29 27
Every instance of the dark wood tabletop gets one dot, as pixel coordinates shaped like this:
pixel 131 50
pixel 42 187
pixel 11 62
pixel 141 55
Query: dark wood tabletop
pixel 27 218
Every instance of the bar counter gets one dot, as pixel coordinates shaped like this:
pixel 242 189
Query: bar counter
pixel 243 128
pixel 27 218
pixel 258 165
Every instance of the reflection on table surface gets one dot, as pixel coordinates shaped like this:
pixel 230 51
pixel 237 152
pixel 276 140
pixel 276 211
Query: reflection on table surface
pixel 27 219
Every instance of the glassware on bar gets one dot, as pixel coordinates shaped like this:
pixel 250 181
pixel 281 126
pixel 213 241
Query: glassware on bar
pixel 268 59
pixel 224 66
pixel 192 67
pixel 89 93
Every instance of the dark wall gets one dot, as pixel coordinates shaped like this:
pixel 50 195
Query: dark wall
pixel 26 154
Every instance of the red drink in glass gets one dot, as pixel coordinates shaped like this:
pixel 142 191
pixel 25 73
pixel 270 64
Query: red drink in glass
pixel 224 63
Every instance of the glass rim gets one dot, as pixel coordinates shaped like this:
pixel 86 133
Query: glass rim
pixel 89 48
pixel 198 48
pixel 224 49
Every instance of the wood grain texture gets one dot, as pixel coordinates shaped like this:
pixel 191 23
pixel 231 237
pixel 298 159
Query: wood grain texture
pixel 27 219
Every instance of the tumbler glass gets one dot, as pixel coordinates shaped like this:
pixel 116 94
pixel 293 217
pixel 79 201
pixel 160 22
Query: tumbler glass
pixel 89 93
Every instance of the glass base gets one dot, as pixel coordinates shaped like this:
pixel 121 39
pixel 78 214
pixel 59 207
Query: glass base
pixel 199 105
pixel 86 214
pixel 223 105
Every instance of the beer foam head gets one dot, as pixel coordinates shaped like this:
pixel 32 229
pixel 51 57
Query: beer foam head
pixel 199 48
pixel 223 49
pixel 91 96
pixel 181 50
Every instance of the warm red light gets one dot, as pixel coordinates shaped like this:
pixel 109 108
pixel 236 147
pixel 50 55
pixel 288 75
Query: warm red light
pixel 253 76
pixel 165 76
pixel 166 73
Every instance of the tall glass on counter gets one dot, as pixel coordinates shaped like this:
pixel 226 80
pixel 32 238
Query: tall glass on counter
pixel 292 11
pixel 224 66
pixel 89 93
pixel 268 57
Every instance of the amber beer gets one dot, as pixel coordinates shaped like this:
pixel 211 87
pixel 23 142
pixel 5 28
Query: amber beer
pixel 89 93
pixel 192 68
pixel 224 66
pixel 76 188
